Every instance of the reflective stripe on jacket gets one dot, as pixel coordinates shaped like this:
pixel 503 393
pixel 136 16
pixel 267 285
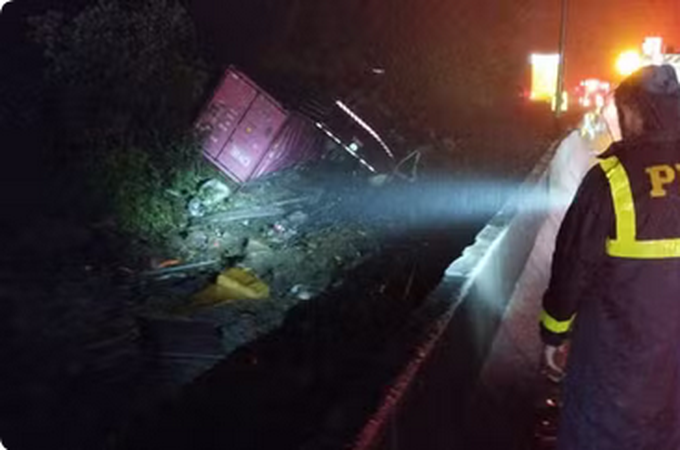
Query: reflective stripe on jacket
pixel 626 244
pixel 615 289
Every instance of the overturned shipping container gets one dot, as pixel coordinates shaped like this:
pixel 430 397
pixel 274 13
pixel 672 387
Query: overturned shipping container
pixel 247 134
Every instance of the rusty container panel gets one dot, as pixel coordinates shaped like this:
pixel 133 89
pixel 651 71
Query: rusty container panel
pixel 224 112
pixel 298 140
pixel 252 138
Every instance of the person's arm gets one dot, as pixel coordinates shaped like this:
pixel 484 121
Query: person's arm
pixel 579 249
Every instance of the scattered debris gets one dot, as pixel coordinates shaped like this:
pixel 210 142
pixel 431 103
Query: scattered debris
pixel 243 214
pixel 210 194
pixel 197 238
pixel 302 292
pixel 195 208
pixel 378 180
pixel 298 218
pixel 298 234
pixel 179 269
pixel 281 232
pixel 407 169
pixel 259 257
pixel 168 263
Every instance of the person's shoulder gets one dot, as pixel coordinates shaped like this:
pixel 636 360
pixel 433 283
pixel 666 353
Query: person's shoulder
pixel 616 148
pixel 595 179
pixel 633 146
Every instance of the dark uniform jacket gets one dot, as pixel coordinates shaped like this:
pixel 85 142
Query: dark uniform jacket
pixel 615 291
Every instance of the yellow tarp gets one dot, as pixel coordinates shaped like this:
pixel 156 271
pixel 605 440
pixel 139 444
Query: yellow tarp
pixel 232 284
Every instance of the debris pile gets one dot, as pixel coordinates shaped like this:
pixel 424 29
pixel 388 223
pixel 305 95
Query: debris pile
pixel 250 253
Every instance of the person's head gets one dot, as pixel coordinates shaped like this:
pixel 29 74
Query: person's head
pixel 648 102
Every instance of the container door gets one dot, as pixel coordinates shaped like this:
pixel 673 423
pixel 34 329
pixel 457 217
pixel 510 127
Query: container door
pixel 252 138
pixel 222 116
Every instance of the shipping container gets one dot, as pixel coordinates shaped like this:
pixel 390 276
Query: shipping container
pixel 246 133
pixel 297 141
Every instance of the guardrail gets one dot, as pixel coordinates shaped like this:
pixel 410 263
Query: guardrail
pixel 425 406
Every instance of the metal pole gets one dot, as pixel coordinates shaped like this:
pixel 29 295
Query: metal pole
pixel 562 62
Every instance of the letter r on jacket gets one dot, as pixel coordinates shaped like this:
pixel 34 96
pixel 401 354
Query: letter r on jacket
pixel 659 176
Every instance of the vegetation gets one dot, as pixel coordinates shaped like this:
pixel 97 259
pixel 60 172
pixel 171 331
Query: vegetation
pixel 125 81
pixel 146 192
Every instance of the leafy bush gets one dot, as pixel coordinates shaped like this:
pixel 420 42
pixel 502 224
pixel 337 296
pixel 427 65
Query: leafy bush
pixel 133 184
pixel 126 81
pixel 122 70
pixel 147 192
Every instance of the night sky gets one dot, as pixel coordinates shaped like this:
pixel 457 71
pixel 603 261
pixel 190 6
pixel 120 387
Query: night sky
pixel 597 30
pixel 446 43
pixel 438 52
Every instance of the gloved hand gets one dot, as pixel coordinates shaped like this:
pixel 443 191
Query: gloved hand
pixel 555 358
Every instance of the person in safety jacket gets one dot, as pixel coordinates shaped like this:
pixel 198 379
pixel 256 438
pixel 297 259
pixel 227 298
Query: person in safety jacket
pixel 615 285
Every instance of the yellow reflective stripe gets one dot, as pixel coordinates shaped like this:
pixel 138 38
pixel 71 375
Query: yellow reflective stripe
pixel 626 244
pixel 554 325
pixel 657 249
pixel 624 208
